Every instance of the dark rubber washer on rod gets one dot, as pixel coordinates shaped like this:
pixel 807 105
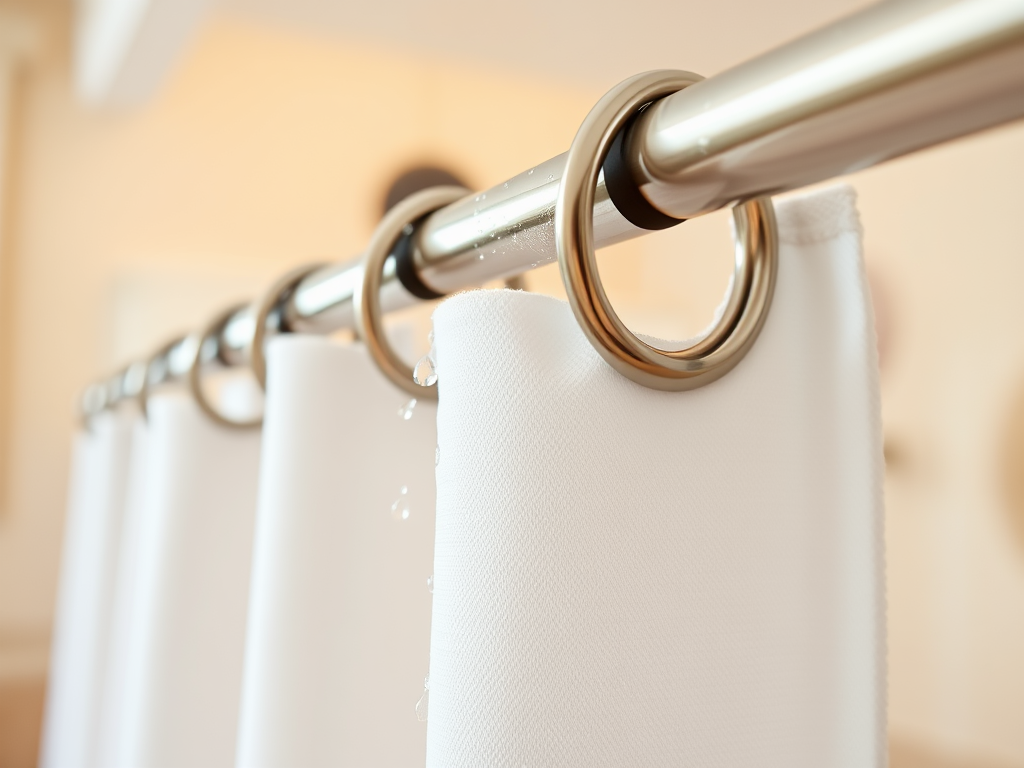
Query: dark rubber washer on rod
pixel 405 269
pixel 624 192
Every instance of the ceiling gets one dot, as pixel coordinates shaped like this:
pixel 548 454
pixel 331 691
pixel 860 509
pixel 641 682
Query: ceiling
pixel 592 42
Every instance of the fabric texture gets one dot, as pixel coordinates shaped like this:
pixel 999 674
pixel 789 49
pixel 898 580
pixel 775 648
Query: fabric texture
pixel 186 611
pixel 340 609
pixel 627 577
pixel 88 575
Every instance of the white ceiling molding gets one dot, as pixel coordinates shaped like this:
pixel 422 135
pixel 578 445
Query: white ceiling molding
pixel 125 48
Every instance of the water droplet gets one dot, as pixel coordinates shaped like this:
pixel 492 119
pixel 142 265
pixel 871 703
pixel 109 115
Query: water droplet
pixel 506 185
pixel 483 197
pixel 481 257
pixel 425 373
pixel 400 509
pixel 430 584
pixel 424 702
pixel 437 455
pixel 551 177
pixel 494 250
pixel 405 412
pixel 530 172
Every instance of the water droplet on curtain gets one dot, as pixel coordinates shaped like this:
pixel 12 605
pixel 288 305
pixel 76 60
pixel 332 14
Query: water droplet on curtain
pixel 424 702
pixel 430 584
pixel 425 373
pixel 405 412
pixel 400 509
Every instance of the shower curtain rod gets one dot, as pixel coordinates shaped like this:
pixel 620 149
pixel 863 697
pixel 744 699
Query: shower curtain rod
pixel 897 77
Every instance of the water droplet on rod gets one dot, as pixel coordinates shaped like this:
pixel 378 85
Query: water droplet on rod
pixel 405 412
pixel 425 373
pixel 400 508
pixel 424 702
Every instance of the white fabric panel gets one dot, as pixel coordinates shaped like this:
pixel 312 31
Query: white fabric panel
pixel 111 715
pixel 88 571
pixel 184 654
pixel 340 613
pixel 627 577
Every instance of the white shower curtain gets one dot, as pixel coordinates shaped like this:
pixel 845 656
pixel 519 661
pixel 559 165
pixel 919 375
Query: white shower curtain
pixel 111 714
pixel 92 540
pixel 620 576
pixel 633 577
pixel 339 630
pixel 185 610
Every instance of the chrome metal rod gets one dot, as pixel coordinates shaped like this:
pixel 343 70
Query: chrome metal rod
pixel 897 77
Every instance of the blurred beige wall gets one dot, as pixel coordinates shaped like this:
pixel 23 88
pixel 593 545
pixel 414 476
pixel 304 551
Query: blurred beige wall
pixel 268 148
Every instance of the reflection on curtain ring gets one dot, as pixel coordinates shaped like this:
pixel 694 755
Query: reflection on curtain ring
pixel 279 292
pixel 195 377
pixel 756 257
pixel 366 298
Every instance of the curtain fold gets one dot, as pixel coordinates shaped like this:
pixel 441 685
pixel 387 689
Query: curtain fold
pixel 124 614
pixel 633 577
pixel 340 610
pixel 187 612
pixel 92 534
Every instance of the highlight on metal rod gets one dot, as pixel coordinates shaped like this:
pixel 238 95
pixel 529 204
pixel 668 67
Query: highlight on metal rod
pixel 891 79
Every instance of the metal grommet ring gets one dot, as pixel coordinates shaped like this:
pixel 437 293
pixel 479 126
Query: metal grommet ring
pixel 195 382
pixel 92 403
pixel 142 396
pixel 368 315
pixel 756 256
pixel 278 292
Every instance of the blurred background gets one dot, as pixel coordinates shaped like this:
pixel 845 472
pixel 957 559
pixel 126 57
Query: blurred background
pixel 160 158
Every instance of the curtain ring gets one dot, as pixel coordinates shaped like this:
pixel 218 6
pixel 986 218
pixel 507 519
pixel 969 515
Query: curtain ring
pixel 756 256
pixel 366 298
pixel 212 330
pixel 142 396
pixel 279 292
